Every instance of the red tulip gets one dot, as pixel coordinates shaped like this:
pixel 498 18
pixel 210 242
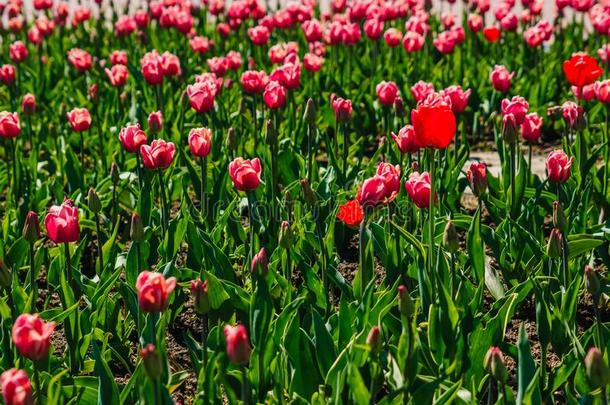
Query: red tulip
pixel 62 223
pixel 421 90
pixel 155 121
pixel 254 82
pixel 80 59
pixel 238 344
pixel 80 119
pixel 558 166
pixel 7 74
pixel 274 95
pixel 531 128
pixel 117 75
pixel 581 69
pixel 32 336
pixel 153 291
pixel 477 177
pixel 10 126
pixel 245 173
pixel 516 106
pixel 118 58
pixel 158 155
pixel 387 92
pixel 500 78
pixel 351 213
pixel 342 108
pixel 28 104
pixel 18 52
pixel 16 387
pixel 200 141
pixel 418 188
pixel 458 97
pixel 405 140
pixel 201 96
pixel 132 137
pixel 434 123
pixel 491 34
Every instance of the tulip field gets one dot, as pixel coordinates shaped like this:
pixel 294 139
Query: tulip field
pixel 345 202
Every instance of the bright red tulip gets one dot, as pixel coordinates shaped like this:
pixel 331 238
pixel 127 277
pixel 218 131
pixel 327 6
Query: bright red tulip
pixel 62 223
pixel 32 336
pixel 16 387
pixel 405 140
pixel 245 173
pixel 158 155
pixel 79 119
pixel 153 291
pixel 200 141
pixel 531 128
pixel 351 213
pixel 434 123
pixel 28 104
pixel 558 166
pixel 132 137
pixel 491 34
pixel 238 344
pixel 254 82
pixel 80 59
pixel 387 92
pixel 477 177
pixel 117 75
pixel 274 95
pixel 581 69
pixel 10 126
pixel 500 78
pixel 418 188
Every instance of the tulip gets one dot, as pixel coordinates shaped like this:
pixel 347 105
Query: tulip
pixel 312 62
pixel 405 302
pixel 451 241
pixel 516 106
pixel 132 138
pixel 391 174
pixel 531 128
pixel 434 123
pixel 418 188
pixel 18 52
pixel 31 227
pixel 201 96
pixel 16 387
pixel 200 44
pixel 459 98
pixel 602 91
pixel 392 37
pixel 596 369
pixel 413 41
pixel 155 122
pixel 79 119
pixel 199 291
pixel 274 95
pixel 62 224
pixel 491 34
pixel 558 166
pixel 475 22
pixel 373 340
pixel 80 59
pixel 555 244
pixel 572 113
pixel 245 173
pixel 153 291
pixel 386 93
pixel 285 236
pixel 260 264
pixel 32 336
pixel 158 155
pixel 151 68
pixel 28 104
pixel 259 35
pixel 170 64
pixel 421 90
pixel 342 108
pixel 200 141
pixel 592 283
pixel 494 364
pixel 254 82
pixel 152 361
pixel 477 177
pixel 10 127
pixel 500 78
pixel 118 58
pixel 7 74
pixel 405 140
pixel 117 75
pixel 238 344
pixel 581 69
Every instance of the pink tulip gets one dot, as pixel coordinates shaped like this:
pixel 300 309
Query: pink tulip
pixel 16 387
pixel 516 106
pixel 531 128
pixel 7 74
pixel 80 59
pixel 200 142
pixel 79 119
pixel 10 126
pixel 155 121
pixel 32 336
pixel 342 108
pixel 418 188
pixel 153 291
pixel 245 173
pixel 421 90
pixel 500 78
pixel 201 96
pixel 602 91
pixel 62 223
pixel 405 140
pixel 477 177
pixel 274 95
pixel 117 75
pixel 254 82
pixel 132 137
pixel 158 155
pixel 18 52
pixel 387 92
pixel 459 98
pixel 238 344
pixel 413 41
pixel 558 166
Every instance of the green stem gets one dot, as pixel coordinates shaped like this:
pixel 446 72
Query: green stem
pixel 204 340
pixel 204 178
pixel 32 277
pixel 431 214
pixel 162 196
pixel 99 244
pixel 244 386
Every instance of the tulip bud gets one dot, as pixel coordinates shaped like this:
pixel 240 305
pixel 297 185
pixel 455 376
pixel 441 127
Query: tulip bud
pixel 199 290
pixel 596 368
pixel 592 283
pixel 451 241
pixel 373 340
pixel 136 230
pixel 152 361
pixel 510 129
pixel 554 113
pixel 238 344
pixel 405 302
pixel 231 140
pixel 399 106
pixel 415 166
pixel 310 112
pixel 559 217
pixel 308 193
pixel 285 236
pixel 494 364
pixel 155 122
pixel 93 201
pixel 553 249
pixel 271 137
pixel 5 275
pixel 93 92
pixel 31 227
pixel 114 173
pixel 259 263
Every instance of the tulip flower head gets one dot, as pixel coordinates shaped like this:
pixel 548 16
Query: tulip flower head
pixel 477 177
pixel 80 59
pixel 153 291
pixel 32 336
pixel 79 119
pixel 387 92
pixel 10 127
pixel 155 121
pixel 16 387
pixel 500 78
pixel 421 90
pixel 245 173
pixel 200 141
pixel 62 223
pixel 418 188
pixel 531 128
pixel 132 138
pixel 238 344
pixel 558 166
pixel 28 104
pixel 517 106
pixel 433 122
pixel 581 69
pixel 342 108
pixel 405 140
pixel 351 213
pixel 260 263
pixel 459 98
pixel 158 155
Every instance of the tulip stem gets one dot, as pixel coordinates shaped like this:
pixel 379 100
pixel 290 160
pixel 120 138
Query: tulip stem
pixel 100 254
pixel 431 215
pixel 82 153
pixel 244 386
pixel 345 149
pixel 311 128
pixel 32 277
pixel 38 392
pixel 204 339
pixel 163 203
pixel 14 162
pixel 598 325
pixel 204 178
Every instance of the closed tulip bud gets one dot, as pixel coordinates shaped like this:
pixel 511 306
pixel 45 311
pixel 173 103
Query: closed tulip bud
pixel 510 129
pixel 596 368
pixel 451 242
pixel 405 302
pixel 5 275
pixel 310 112
pixel 559 217
pixel 31 227
pixel 494 364
pixel 271 137
pixel 93 201
pixel 153 291
pixel 94 92
pixel 238 344
pixel 592 283
pixel 199 290
pixel 155 122
pixel 136 230
pixel 308 194
pixel 477 177
pixel 114 173
pixel 152 361
pixel 231 140
pixel 260 264
pixel 553 249
pixel 286 235
pixel 373 340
